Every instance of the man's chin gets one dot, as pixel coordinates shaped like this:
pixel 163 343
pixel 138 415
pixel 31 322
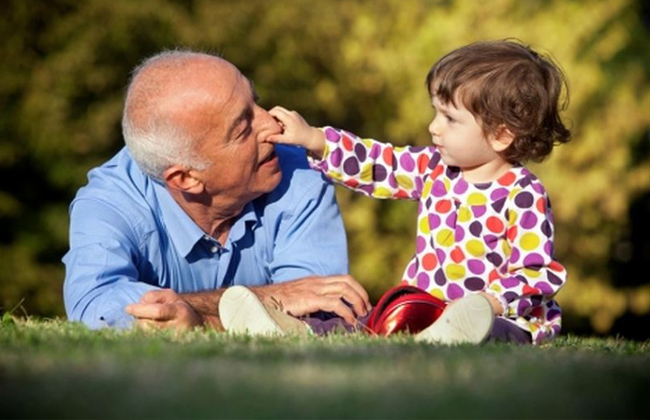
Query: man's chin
pixel 269 173
pixel 271 177
pixel 277 176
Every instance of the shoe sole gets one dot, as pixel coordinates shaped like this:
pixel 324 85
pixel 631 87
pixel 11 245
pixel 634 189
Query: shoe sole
pixel 469 320
pixel 242 312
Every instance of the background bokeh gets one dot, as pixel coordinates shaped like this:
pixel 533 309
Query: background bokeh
pixel 359 65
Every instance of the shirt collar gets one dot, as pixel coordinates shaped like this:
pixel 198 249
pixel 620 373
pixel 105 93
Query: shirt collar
pixel 247 216
pixel 185 233
pixel 182 230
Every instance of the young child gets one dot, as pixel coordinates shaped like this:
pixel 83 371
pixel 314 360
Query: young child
pixel 484 237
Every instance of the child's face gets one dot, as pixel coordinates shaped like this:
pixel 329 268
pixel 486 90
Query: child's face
pixel 459 136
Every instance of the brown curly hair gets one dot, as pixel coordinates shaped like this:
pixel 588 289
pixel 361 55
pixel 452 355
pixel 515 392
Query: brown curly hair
pixel 506 83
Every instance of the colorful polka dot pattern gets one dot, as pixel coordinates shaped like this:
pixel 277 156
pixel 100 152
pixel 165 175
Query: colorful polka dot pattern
pixel 495 237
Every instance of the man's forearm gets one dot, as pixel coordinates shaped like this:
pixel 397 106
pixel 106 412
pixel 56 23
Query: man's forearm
pixel 298 298
pixel 207 305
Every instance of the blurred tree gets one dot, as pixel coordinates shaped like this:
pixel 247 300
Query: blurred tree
pixel 61 83
pixel 359 65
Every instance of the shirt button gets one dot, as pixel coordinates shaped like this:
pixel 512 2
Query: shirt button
pixel 206 237
pixel 214 249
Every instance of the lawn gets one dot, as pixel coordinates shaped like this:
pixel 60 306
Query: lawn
pixel 53 369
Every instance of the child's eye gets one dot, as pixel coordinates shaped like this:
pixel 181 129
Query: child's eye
pixel 449 118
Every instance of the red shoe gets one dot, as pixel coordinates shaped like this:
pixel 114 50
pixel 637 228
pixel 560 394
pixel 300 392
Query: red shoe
pixel 404 309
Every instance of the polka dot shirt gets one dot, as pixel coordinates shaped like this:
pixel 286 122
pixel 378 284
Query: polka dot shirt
pixel 495 237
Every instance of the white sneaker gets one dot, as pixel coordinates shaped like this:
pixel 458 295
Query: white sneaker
pixel 242 312
pixel 468 320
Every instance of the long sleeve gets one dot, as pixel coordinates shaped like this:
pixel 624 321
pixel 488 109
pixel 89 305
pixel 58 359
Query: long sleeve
pixel 532 276
pixel 376 169
pixel 102 276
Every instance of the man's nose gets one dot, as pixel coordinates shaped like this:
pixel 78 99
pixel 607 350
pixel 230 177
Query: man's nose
pixel 267 124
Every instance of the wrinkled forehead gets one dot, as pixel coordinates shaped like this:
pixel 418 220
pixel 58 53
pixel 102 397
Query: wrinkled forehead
pixel 214 77
pixel 179 86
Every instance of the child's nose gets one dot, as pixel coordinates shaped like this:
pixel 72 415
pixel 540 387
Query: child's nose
pixel 433 128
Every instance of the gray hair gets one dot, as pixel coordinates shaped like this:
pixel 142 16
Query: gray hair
pixel 155 143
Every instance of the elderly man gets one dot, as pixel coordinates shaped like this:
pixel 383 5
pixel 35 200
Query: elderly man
pixel 198 201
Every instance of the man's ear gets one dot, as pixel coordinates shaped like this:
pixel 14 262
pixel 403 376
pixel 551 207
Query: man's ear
pixel 501 139
pixel 181 179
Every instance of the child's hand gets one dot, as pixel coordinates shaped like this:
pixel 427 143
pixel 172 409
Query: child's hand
pixel 296 131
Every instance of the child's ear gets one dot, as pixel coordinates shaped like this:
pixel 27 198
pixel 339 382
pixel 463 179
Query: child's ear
pixel 501 139
pixel 181 179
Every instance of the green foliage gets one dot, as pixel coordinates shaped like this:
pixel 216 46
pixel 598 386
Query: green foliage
pixel 74 372
pixel 359 65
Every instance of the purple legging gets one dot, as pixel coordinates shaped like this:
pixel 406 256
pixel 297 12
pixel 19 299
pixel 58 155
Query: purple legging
pixel 504 331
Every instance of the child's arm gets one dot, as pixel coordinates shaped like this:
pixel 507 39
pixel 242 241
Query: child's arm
pixel 533 274
pixel 367 166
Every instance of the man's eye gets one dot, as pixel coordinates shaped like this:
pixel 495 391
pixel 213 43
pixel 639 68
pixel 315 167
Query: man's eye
pixel 245 132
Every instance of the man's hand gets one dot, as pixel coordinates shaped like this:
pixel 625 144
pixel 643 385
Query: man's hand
pixel 164 309
pixel 167 309
pixel 296 131
pixel 311 294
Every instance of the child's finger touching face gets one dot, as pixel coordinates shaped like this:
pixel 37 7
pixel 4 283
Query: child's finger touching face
pixel 293 127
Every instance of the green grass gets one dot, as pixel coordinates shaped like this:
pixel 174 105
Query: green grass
pixel 57 369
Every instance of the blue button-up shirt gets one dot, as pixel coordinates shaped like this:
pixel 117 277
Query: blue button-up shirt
pixel 129 236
